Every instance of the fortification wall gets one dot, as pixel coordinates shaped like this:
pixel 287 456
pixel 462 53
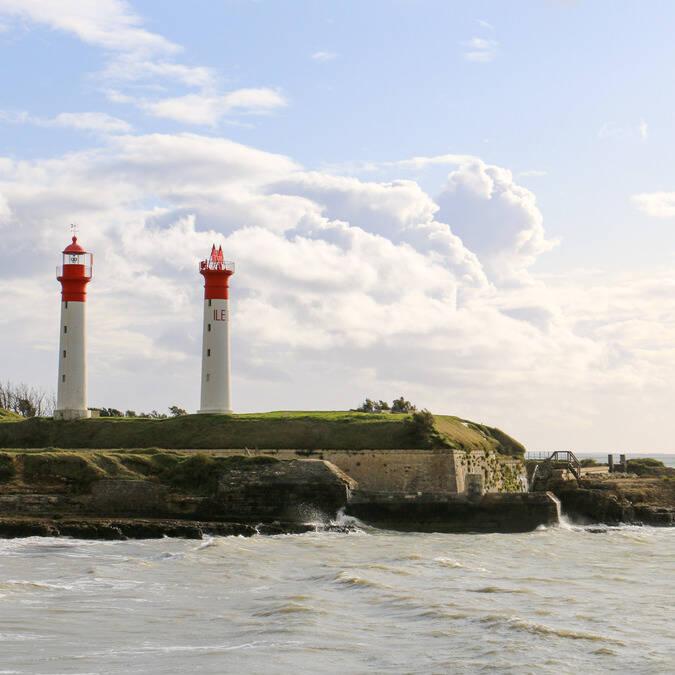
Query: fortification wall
pixel 411 471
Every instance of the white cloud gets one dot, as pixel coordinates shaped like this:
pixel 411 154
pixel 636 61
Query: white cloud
pixel 110 24
pixel 141 62
pixel 375 287
pixel 85 121
pixel 480 50
pixel 127 67
pixel 204 109
pixel 642 130
pixel 495 217
pixel 657 204
pixel 322 57
pixel 485 24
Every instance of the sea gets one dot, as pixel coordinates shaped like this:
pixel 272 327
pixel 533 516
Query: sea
pixel 561 599
pixel 601 457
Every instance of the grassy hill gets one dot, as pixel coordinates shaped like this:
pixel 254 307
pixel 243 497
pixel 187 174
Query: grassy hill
pixel 285 429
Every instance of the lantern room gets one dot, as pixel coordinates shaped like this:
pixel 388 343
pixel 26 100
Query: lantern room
pixel 74 272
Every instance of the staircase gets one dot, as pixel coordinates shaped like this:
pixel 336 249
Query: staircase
pixel 560 459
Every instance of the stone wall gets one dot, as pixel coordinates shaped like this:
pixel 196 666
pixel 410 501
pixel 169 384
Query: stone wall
pixel 414 471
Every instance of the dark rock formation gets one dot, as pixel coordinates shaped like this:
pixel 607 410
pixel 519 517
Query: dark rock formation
pixel 512 512
pixel 295 490
pixel 249 498
pixel 144 528
pixel 614 500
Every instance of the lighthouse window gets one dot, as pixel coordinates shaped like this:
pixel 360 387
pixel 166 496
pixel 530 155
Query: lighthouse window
pixel 209 303
pixel 66 303
pixel 63 378
pixel 64 353
pixel 208 376
pixel 65 329
pixel 208 328
pixel 208 352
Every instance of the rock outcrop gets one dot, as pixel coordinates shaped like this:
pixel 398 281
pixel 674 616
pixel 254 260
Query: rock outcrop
pixel 618 498
pixel 507 512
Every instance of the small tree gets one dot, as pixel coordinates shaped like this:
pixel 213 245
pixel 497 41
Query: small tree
pixel 420 426
pixel 130 413
pixel 110 412
pixel 400 405
pixel 367 406
pixel 176 411
pixel 25 407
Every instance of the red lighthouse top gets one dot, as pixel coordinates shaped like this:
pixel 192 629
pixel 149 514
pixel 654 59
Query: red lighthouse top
pixel 74 247
pixel 74 273
pixel 217 272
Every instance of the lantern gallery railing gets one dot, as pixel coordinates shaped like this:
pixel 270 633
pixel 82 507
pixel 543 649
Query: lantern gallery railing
pixel 217 265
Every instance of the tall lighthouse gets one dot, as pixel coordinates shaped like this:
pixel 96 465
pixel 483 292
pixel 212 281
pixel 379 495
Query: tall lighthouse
pixel 74 274
pixel 216 341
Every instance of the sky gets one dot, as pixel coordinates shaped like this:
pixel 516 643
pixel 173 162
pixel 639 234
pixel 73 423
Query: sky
pixel 468 204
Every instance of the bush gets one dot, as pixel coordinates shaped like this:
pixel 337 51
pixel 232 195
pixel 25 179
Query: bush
pixel 420 426
pixel 645 466
pixel 589 461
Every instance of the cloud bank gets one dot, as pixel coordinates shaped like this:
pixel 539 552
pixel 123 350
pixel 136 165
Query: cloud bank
pixel 344 288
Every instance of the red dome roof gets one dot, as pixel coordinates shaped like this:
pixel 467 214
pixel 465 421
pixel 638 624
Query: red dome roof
pixel 74 247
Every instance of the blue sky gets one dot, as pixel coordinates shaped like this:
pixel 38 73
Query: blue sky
pixel 546 128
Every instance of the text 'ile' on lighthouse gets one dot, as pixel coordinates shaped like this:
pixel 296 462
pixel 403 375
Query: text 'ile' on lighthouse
pixel 216 341
pixel 74 274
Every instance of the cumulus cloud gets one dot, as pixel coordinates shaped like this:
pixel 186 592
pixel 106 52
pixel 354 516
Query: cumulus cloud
pixel 657 204
pixel 344 288
pixel 495 217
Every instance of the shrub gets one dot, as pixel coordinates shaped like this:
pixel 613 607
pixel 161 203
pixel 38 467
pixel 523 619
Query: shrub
pixel 645 466
pixel 589 461
pixel 420 426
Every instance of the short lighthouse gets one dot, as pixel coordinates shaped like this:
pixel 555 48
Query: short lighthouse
pixel 74 274
pixel 216 341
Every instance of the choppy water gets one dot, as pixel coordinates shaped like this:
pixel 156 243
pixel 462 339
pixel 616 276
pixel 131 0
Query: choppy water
pixel 556 600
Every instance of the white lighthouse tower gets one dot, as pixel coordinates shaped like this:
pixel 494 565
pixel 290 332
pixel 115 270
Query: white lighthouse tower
pixel 216 341
pixel 74 275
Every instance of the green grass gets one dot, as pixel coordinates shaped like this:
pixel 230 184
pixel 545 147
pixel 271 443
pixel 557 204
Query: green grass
pixel 77 470
pixel 299 430
pixel 9 416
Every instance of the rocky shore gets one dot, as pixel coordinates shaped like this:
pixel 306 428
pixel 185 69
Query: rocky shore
pixel 494 512
pixel 618 498
pixel 149 528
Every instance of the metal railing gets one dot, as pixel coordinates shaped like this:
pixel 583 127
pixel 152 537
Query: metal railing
pixel 222 265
